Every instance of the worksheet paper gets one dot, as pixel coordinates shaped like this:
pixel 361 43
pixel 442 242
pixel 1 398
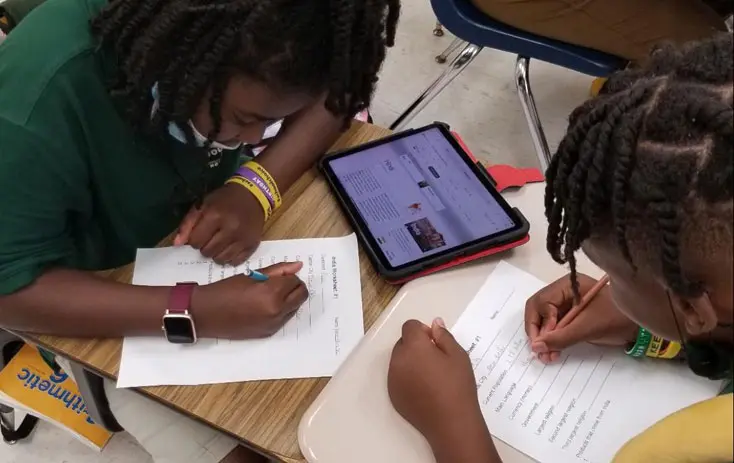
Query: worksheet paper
pixel 312 344
pixel 582 408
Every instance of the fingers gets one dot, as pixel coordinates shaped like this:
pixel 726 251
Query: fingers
pixel 545 355
pixel 289 288
pixel 547 306
pixel 284 284
pixel 558 294
pixel 186 227
pixel 284 296
pixel 296 297
pixel 204 230
pixel 559 339
pixel 227 255
pixel 445 341
pixel 539 316
pixel 242 256
pixel 436 326
pixel 415 331
pixel 215 248
pixel 550 322
pixel 533 319
pixel 283 269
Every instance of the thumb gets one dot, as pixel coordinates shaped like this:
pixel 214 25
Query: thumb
pixel 187 226
pixel 414 331
pixel 283 269
pixel 443 338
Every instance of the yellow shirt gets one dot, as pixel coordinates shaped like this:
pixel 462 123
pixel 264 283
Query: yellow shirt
pixel 701 433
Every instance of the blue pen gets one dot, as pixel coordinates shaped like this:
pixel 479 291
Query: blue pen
pixel 255 275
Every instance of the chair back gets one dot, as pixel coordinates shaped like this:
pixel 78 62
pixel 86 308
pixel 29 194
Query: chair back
pixel 468 23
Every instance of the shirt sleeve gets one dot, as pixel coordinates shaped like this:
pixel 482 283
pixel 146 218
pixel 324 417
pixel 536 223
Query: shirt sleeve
pixel 38 188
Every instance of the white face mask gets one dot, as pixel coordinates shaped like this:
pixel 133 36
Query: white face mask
pixel 175 131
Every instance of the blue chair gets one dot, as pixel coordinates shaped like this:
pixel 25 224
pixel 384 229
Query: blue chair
pixel 475 30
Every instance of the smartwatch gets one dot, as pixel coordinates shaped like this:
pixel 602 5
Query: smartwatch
pixel 178 324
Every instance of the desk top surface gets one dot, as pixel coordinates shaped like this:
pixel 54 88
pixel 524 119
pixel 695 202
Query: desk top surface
pixel 355 404
pixel 265 414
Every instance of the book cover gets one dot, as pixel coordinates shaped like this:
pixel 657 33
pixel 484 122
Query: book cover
pixel 28 383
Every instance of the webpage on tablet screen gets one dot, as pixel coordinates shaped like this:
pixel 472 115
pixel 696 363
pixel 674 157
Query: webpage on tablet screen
pixel 418 197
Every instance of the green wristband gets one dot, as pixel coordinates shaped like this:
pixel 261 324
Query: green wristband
pixel 641 344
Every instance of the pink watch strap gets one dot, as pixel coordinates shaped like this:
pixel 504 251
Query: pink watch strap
pixel 180 299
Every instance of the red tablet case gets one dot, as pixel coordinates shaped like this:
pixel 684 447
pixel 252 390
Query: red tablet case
pixel 504 177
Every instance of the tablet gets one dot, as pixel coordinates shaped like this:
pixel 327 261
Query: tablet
pixel 418 200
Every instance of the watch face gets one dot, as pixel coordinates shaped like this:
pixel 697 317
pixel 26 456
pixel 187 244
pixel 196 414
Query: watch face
pixel 179 329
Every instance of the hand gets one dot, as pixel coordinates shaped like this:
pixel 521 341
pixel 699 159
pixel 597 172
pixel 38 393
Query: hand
pixel 431 384
pixel 227 227
pixel 242 308
pixel 599 323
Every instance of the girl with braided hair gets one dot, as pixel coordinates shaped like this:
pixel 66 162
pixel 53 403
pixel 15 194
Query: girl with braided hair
pixel 642 183
pixel 139 118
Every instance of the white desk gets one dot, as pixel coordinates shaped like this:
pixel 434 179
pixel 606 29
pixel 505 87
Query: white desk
pixel 352 419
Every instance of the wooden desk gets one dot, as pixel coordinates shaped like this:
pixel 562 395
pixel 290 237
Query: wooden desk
pixel 264 414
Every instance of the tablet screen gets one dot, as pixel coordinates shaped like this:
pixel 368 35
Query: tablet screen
pixel 418 197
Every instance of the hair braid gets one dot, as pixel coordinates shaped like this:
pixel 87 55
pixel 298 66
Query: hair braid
pixel 624 144
pixel 668 224
pixel 714 117
pixel 655 143
pixel 577 183
pixel 336 47
pixel 558 173
pixel 342 15
pixel 134 22
pixel 215 102
pixel 193 88
pixel 617 121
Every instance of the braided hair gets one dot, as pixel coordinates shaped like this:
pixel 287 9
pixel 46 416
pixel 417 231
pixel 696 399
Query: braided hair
pixel 191 47
pixel 641 161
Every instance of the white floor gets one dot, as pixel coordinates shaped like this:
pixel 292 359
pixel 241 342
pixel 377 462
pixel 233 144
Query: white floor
pixel 480 104
pixel 49 444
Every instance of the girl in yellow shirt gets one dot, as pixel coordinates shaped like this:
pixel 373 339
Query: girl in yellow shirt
pixel 643 184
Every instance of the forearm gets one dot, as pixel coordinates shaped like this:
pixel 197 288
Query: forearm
pixel 301 143
pixel 471 442
pixel 73 303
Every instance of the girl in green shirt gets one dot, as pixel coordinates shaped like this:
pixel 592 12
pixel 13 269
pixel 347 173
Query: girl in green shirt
pixel 120 123
pixel 123 121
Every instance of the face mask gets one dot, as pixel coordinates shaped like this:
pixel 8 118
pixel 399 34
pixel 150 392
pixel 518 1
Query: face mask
pixel 175 131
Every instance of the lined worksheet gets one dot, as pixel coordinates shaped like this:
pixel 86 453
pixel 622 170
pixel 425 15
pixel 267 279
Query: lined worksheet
pixel 583 407
pixel 312 344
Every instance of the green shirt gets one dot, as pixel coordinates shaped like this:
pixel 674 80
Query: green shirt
pixel 80 187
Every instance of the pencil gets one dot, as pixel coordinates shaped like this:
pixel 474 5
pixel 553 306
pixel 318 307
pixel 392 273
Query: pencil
pixel 575 310
pixel 255 275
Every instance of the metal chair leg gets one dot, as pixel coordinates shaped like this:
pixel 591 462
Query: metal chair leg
pixel 7 420
pixel 522 82
pixel 91 388
pixel 449 51
pixel 459 63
